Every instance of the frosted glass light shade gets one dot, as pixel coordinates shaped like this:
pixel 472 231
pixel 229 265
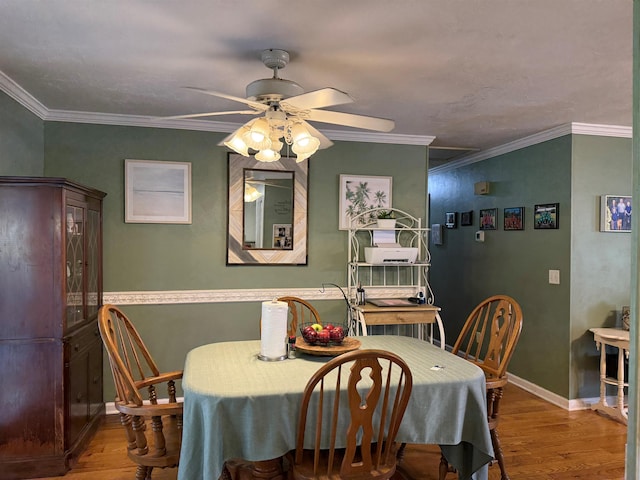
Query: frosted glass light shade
pixel 303 141
pixel 237 144
pixel 257 137
pixel 267 155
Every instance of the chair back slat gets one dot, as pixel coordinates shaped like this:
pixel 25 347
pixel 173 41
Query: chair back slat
pixel 300 312
pixel 131 362
pixel 360 423
pixel 490 334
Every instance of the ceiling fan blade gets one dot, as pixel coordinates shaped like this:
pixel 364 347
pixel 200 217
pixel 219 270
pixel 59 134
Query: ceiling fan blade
pixel 324 141
pixel 325 97
pixel 351 120
pixel 257 105
pixel 211 114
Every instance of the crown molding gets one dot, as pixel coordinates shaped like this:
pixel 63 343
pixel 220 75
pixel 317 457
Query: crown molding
pixel 545 135
pixel 20 95
pixel 28 101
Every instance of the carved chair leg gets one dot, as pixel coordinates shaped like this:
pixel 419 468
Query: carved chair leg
pixel 497 450
pixel 141 472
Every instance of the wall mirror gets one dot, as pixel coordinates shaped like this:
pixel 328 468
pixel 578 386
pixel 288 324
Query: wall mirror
pixel 267 211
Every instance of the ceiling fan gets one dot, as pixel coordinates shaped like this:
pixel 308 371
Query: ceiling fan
pixel 287 110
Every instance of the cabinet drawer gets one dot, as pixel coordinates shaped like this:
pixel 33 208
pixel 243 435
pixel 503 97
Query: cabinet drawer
pixel 81 340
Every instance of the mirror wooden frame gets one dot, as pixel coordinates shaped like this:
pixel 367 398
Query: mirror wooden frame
pixel 236 253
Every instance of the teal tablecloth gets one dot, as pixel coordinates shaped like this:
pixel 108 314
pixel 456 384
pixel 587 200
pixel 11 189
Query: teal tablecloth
pixel 236 406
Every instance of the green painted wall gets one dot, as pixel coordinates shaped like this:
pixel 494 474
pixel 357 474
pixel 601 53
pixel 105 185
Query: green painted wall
pixel 601 262
pixel 142 257
pixel 556 351
pixel 514 263
pixel 21 140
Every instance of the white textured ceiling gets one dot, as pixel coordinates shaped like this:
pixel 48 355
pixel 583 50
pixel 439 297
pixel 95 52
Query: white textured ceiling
pixel 472 73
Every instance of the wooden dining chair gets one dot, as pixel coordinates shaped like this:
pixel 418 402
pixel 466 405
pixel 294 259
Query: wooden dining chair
pixel 300 312
pixel 153 429
pixel 488 339
pixel 354 426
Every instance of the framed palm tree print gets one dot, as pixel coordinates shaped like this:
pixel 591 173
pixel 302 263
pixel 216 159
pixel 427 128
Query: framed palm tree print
pixel 361 193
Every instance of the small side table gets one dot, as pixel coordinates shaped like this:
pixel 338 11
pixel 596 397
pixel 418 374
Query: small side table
pixel 620 339
pixel 421 315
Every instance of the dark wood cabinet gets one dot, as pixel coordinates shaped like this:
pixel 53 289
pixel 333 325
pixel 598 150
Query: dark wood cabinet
pixel 50 346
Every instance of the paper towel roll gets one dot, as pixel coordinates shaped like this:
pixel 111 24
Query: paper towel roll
pixel 273 335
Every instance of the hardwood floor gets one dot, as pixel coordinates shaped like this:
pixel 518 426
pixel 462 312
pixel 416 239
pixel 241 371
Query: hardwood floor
pixel 540 442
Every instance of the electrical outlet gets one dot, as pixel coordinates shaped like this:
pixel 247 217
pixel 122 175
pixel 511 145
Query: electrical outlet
pixel 554 277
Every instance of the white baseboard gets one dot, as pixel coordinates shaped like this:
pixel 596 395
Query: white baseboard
pixel 554 398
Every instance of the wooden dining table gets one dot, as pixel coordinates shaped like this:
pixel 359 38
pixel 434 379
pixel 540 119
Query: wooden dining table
pixel 237 406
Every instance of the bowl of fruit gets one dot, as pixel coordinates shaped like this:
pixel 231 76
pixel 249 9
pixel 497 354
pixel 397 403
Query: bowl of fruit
pixel 323 335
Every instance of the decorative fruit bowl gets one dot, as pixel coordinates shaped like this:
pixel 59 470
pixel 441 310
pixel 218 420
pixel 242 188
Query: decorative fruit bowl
pixel 323 335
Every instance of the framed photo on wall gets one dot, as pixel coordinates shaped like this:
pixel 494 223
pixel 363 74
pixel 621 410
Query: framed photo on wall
pixel 157 192
pixel 450 219
pixel 546 216
pixel 466 218
pixel 489 219
pixel 282 237
pixel 615 213
pixel 514 218
pixel 359 193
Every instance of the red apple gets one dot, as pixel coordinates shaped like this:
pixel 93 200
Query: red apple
pixel 337 335
pixel 329 326
pixel 310 335
pixel 323 337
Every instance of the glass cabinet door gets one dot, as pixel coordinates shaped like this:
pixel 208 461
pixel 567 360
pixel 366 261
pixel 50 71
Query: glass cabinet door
pixel 93 262
pixel 75 264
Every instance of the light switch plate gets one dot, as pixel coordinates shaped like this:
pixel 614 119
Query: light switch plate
pixel 554 277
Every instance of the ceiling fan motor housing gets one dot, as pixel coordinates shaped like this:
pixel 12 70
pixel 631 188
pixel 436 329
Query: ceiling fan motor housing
pixel 275 89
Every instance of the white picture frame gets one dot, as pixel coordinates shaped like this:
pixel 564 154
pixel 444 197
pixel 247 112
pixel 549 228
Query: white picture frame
pixel 157 191
pixel 618 221
pixel 359 193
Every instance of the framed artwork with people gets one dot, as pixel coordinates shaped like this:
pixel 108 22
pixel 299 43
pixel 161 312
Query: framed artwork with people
pixel 615 213
pixel 489 219
pixel 546 216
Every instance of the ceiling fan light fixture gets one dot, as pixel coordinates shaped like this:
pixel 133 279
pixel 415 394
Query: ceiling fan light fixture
pixel 267 155
pixel 257 137
pixel 307 146
pixel 302 141
pixel 237 144
pixel 276 145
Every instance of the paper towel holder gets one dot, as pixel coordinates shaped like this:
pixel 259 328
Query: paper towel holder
pixel 264 351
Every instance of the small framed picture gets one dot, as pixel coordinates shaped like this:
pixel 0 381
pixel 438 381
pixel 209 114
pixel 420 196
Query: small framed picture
pixel 488 219
pixel 451 219
pixel 514 218
pixel 466 218
pixel 546 216
pixel 282 237
pixel 436 234
pixel 615 213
